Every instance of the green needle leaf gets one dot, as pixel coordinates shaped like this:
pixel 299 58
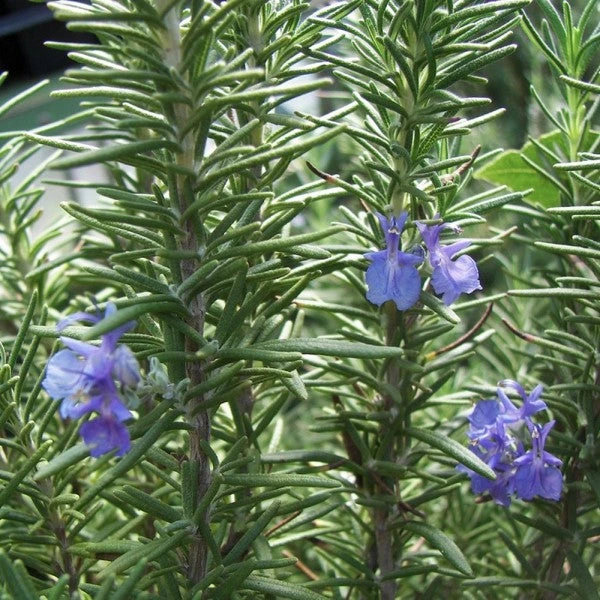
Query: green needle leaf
pixel 280 589
pixel 277 480
pixel 341 348
pixel 16 579
pixel 440 541
pixel 587 586
pixel 453 449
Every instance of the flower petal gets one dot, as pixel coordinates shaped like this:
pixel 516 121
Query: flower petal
pixel 63 374
pixel 396 280
pixel 125 367
pixel 377 278
pixel 116 409
pixel 483 418
pixel 452 278
pixel 551 484
pixel 75 318
pixel 104 434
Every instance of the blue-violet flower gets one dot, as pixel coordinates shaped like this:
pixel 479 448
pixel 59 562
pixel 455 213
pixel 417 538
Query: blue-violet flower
pixel 498 431
pixel 531 403
pixel 450 278
pixel 88 378
pixel 537 471
pixel 392 274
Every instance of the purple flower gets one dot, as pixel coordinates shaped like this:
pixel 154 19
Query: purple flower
pixel 392 274
pixel 65 381
pixel 537 472
pixel 497 448
pixel 531 403
pixel 496 430
pixel 88 378
pixel 501 488
pixel 450 278
pixel 483 419
pixel 105 433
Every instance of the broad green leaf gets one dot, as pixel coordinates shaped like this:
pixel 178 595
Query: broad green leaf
pixel 511 170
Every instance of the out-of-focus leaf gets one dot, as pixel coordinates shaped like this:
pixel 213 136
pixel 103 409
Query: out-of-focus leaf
pixel 280 589
pixel 511 169
pixel 15 578
pixel 593 478
pixel 587 587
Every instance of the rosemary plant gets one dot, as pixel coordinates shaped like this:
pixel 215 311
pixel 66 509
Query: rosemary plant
pixel 247 368
pixel 559 335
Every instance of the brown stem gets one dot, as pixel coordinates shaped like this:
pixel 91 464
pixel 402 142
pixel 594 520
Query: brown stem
pixel 182 193
pixel 381 517
pixel 385 553
pixel 200 421
pixel 447 179
pixel 528 337
pixel 466 337
pixel 68 565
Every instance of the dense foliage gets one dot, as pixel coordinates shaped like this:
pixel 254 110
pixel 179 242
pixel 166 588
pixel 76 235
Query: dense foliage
pixel 318 335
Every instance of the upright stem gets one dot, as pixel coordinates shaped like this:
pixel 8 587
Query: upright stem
pixel 200 421
pixel 182 196
pixel 67 560
pixel 385 554
pixel 384 541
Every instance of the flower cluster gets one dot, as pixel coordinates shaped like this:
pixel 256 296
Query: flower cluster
pixel 91 379
pixel 393 275
pixel 498 432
